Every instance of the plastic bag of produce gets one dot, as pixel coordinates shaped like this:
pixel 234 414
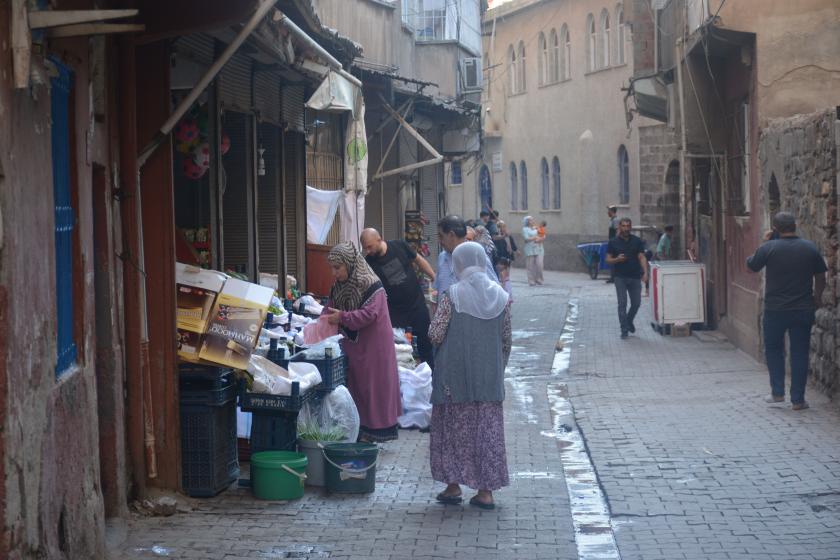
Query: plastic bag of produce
pixel 334 418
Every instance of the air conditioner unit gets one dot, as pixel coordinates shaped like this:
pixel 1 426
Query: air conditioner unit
pixel 471 74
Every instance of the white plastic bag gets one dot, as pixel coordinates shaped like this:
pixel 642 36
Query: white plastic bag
pixel 274 380
pixel 416 391
pixel 335 415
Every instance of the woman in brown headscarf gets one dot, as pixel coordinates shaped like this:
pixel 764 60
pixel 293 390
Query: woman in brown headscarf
pixel 360 309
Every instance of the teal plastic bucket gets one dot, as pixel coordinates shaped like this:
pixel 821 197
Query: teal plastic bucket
pixel 351 467
pixel 278 475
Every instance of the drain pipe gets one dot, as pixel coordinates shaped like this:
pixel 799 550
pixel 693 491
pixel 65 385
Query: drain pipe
pixel 209 76
pixel 312 44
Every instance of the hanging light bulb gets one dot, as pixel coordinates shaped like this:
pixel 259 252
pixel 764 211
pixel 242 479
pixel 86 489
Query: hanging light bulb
pixel 261 162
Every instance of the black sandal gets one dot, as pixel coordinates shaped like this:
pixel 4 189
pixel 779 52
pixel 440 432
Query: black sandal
pixel 474 501
pixel 449 499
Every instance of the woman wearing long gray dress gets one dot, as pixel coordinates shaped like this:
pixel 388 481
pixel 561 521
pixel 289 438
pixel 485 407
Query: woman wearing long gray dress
pixel 534 251
pixel 471 330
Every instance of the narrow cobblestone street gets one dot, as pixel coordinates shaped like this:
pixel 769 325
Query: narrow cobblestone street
pixel 690 461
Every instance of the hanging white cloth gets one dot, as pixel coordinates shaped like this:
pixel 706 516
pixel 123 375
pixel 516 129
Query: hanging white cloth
pixel 352 216
pixel 475 293
pixel 356 152
pixel 321 207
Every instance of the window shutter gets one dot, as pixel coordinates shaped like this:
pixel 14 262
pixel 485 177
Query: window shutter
pixel 292 106
pixel 269 215
pixel 64 216
pixel 235 83
pixel 267 96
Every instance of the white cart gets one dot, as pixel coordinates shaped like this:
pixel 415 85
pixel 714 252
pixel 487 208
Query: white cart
pixel 678 294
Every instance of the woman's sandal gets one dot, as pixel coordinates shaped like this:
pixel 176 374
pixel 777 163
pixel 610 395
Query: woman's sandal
pixel 449 499
pixel 474 501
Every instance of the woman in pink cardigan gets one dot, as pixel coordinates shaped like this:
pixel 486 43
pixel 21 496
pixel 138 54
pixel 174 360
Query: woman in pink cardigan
pixel 359 307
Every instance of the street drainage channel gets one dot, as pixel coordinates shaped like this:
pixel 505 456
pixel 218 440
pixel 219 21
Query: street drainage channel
pixel 594 535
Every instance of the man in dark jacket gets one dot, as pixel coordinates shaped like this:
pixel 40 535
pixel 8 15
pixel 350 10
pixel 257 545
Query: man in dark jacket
pixel 626 255
pixel 793 288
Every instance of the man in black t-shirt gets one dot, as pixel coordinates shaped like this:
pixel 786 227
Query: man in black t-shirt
pixel 626 254
pixel 793 289
pixel 392 262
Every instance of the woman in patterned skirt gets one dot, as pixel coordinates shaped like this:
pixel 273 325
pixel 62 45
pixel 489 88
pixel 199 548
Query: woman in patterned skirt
pixel 471 330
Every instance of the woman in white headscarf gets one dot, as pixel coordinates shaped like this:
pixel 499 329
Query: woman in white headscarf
pixel 534 251
pixel 471 330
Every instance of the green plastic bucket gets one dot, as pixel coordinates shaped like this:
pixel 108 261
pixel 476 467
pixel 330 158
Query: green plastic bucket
pixel 350 467
pixel 278 475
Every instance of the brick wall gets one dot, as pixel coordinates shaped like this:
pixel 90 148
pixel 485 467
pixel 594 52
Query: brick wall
pixel 801 153
pixel 660 199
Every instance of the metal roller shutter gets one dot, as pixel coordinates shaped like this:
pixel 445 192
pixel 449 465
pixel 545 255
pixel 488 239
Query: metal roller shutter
pixel 197 47
pixel 292 99
pixel 294 189
pixel 235 83
pixel 267 96
pixel 269 215
pixel 431 186
pixel 235 213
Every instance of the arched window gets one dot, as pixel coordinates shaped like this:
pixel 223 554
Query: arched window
pixel 521 66
pixel 555 182
pixel 523 189
pixel 514 203
pixel 512 74
pixel 545 187
pixel 623 176
pixel 554 57
pixel 605 39
pixel 566 58
pixel 542 63
pixel 620 31
pixel 591 43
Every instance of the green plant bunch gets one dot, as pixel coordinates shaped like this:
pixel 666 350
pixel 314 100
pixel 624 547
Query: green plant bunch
pixel 316 433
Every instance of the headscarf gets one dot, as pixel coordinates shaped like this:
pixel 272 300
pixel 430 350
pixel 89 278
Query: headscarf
pixel 528 233
pixel 482 237
pixel 361 281
pixel 475 293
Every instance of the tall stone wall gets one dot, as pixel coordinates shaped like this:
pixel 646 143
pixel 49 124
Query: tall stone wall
pixel 799 172
pixel 659 188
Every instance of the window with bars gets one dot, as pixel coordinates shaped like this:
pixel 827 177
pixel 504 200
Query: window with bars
pixel 65 216
pixel 555 182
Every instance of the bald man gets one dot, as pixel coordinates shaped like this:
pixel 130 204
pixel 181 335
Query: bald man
pixel 392 262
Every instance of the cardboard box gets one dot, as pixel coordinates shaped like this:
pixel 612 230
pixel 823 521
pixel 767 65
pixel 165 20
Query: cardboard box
pixel 197 290
pixel 681 329
pixel 235 323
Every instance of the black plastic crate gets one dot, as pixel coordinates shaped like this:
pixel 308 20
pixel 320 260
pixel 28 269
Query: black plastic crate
pixel 273 431
pixel 333 370
pixel 225 392
pixel 263 402
pixel 209 461
pixel 278 354
pixel 199 377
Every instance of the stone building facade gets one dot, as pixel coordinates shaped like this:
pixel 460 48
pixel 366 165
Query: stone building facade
pixel 556 143
pixel 799 167
pixel 659 180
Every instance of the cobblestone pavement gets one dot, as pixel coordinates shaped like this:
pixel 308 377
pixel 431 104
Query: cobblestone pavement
pixel 693 463
pixel 401 519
